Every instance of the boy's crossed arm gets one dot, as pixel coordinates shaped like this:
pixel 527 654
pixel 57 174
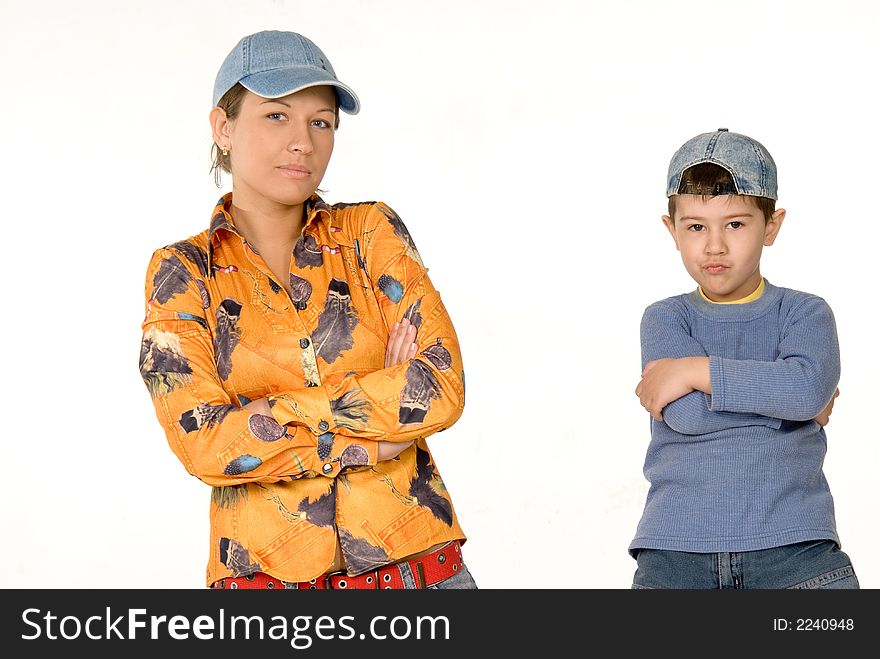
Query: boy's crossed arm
pixel 678 378
pixel 674 393
pixel 668 379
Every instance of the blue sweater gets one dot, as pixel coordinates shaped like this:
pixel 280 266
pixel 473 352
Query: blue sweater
pixel 741 469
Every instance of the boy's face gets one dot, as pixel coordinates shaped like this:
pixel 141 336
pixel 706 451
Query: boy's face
pixel 720 239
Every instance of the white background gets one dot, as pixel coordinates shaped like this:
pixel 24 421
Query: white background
pixel 525 145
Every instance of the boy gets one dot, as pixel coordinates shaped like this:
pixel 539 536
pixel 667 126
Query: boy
pixel 739 377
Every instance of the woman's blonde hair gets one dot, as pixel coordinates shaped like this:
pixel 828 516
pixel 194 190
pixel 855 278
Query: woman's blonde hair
pixel 230 103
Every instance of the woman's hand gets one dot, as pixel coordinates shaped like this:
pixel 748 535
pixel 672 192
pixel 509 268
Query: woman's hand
pixel 401 344
pixel 259 406
pixel 401 348
pixel 389 450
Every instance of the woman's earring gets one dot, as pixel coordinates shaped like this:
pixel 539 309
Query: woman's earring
pixel 224 151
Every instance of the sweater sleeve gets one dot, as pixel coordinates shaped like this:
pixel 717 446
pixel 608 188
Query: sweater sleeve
pixel 665 333
pixel 415 399
pixel 798 384
pixel 217 440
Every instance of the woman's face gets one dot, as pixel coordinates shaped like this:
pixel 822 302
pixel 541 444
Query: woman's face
pixel 280 147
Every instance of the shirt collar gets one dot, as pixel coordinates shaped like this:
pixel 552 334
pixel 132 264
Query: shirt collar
pixel 754 295
pixel 221 219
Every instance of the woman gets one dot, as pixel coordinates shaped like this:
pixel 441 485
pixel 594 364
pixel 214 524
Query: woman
pixel 298 355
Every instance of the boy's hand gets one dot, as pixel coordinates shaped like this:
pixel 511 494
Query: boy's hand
pixel 666 380
pixel 401 348
pixel 824 415
pixel 401 343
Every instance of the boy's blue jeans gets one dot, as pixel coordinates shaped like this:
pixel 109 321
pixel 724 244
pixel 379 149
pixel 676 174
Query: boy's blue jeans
pixel 813 564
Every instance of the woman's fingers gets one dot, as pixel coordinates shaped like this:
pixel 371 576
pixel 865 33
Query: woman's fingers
pixel 401 343
pixel 392 345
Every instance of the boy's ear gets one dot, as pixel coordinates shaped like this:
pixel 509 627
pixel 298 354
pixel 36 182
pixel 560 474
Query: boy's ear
pixel 773 225
pixel 670 225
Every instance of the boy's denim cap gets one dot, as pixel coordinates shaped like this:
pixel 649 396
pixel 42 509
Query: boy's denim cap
pixel 750 164
pixel 273 64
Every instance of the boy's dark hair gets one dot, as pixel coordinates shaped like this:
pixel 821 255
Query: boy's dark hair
pixel 709 180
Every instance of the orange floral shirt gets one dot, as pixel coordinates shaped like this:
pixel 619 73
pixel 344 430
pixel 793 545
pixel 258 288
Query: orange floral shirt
pixel 220 332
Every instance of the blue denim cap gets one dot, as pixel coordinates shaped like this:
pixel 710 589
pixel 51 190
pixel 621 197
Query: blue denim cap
pixel 272 64
pixel 750 164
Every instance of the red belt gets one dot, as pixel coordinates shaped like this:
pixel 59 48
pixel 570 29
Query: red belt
pixel 426 570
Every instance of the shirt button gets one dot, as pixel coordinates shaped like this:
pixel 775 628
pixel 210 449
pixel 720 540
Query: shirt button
pixel 303 343
pixel 300 305
pixel 323 425
pixel 328 468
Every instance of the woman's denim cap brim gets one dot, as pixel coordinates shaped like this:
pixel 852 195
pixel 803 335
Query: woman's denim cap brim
pixel 281 82
pixel 751 166
pixel 272 64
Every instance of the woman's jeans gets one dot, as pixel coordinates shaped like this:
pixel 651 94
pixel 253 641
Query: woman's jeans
pixel 814 564
pixel 460 581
